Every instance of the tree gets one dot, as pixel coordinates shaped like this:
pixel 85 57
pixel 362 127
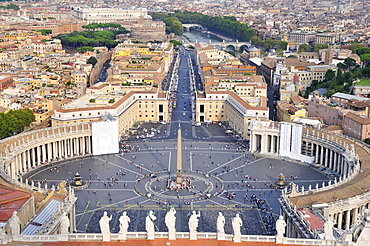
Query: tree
pixel 367 140
pixel 329 75
pixel 355 46
pixel 319 47
pixel 282 45
pixel 304 48
pixel 45 31
pixel 175 42
pixel 362 51
pixel 84 49
pixel 339 76
pixel 366 59
pixel 269 44
pixel 92 60
pixel 280 52
pixel 14 121
pixel 256 41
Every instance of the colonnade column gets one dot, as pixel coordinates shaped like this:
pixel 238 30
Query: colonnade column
pixel 50 151
pixel 335 164
pixel 24 160
pixel 29 158
pixel 43 150
pixel 83 146
pixel 65 148
pixel 38 154
pixel 331 163
pixel 272 144
pixel 88 142
pixel 317 153
pixel 54 148
pixel 340 220
pixel 77 146
pixel 348 217
pixel 321 155
pixel 327 157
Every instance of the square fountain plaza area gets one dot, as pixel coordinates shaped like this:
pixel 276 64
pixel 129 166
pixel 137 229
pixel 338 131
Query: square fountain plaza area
pixel 222 176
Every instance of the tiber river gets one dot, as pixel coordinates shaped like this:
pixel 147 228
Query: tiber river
pixel 197 36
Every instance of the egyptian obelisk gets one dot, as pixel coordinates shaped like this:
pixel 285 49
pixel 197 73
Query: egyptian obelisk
pixel 179 158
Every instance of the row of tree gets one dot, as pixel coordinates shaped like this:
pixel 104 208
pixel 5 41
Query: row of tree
pixel 93 38
pixel 268 44
pixel 10 6
pixel 227 25
pixel 174 25
pixel 15 121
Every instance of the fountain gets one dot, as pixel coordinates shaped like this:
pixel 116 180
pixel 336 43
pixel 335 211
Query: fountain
pixel 281 183
pixel 78 183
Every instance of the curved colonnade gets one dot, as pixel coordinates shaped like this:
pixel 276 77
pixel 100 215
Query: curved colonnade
pixel 29 150
pixel 342 202
pixel 344 199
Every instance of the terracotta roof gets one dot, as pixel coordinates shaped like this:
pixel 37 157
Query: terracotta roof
pixel 363 120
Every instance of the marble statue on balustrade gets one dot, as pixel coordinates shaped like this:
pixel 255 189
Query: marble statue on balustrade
pixel 237 223
pixel 149 225
pixel 220 226
pixel 15 224
pixel 193 225
pixel 280 229
pixel 64 224
pixel 104 226
pixel 328 229
pixel 170 220
pixel 123 225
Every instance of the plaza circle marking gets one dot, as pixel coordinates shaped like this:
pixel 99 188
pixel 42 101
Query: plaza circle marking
pixel 210 187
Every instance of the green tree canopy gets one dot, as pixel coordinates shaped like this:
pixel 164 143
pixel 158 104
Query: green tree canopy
pixel 45 31
pixel 355 46
pixel 282 45
pixel 319 47
pixel 10 6
pixel 256 41
pixel 15 121
pixel 174 25
pixel 304 48
pixel 362 51
pixel 225 25
pixel 84 49
pixel 92 60
pixel 269 44
pixel 175 42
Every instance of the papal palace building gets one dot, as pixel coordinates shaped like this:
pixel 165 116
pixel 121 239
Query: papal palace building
pixel 108 15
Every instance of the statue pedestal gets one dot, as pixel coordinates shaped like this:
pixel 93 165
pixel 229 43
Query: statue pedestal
pixel 150 235
pixel 237 239
pixel 193 236
pixel 63 237
pixel 220 236
pixel 106 237
pixel 279 239
pixel 122 236
pixel 172 235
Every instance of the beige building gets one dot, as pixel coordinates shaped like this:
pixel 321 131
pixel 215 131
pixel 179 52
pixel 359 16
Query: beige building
pixel 326 38
pixel 127 107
